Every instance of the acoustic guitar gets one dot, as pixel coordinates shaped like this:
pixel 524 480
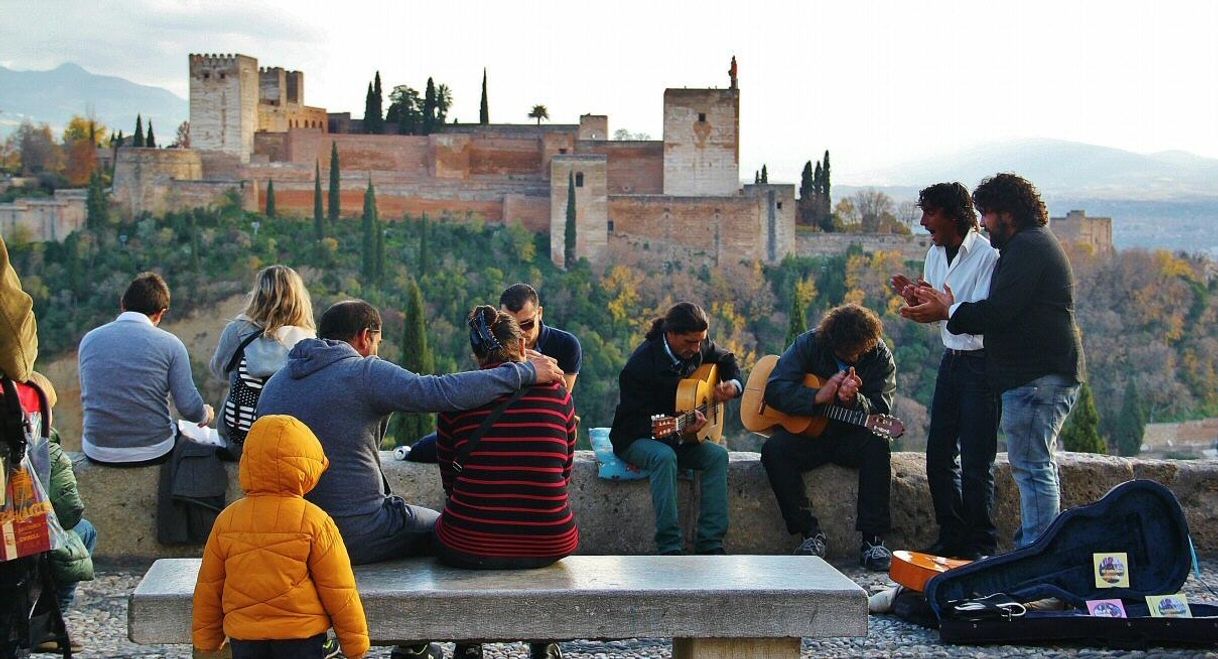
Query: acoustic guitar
pixel 913 569
pixel 695 393
pixel 762 419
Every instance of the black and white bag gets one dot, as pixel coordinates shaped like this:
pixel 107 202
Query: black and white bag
pixel 243 392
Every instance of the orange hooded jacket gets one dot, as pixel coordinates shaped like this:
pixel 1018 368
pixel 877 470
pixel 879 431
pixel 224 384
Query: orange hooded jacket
pixel 275 566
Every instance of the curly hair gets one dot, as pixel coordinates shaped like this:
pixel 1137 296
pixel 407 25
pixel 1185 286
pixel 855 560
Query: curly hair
pixel 951 199
pixel 850 328
pixel 1008 193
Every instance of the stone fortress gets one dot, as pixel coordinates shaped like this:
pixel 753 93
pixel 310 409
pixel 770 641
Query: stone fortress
pixel 679 198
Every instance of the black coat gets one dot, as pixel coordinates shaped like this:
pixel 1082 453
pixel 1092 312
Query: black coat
pixel 786 392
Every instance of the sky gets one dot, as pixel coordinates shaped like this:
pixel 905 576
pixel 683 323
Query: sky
pixel 875 82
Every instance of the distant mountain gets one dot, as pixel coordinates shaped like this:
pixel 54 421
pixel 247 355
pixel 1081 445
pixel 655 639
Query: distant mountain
pixel 54 96
pixel 1068 169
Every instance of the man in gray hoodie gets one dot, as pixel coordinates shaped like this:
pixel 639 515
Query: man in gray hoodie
pixel 344 393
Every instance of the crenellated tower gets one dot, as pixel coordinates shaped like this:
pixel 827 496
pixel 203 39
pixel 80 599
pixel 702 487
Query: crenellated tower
pixel 224 92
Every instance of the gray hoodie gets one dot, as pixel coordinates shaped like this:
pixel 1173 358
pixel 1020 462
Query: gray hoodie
pixel 345 399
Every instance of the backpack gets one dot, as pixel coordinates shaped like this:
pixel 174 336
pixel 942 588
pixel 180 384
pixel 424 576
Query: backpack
pixel 243 392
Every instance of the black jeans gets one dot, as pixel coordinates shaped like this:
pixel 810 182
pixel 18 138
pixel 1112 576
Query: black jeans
pixel 963 424
pixel 786 457
pixel 290 648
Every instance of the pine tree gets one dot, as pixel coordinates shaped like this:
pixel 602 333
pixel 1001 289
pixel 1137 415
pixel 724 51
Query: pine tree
pixel 270 199
pixel 765 175
pixel 798 318
pixel 429 108
pixel 1082 430
pixel 1131 422
pixel 150 141
pixel 138 140
pixel 334 207
pixel 417 357
pixel 97 203
pixel 568 244
pixel 484 113
pixel 319 226
pixel 370 225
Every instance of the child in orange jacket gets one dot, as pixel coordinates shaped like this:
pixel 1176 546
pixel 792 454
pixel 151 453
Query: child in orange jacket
pixel 275 573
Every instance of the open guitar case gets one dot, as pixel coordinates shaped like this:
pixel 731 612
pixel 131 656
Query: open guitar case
pixel 1141 518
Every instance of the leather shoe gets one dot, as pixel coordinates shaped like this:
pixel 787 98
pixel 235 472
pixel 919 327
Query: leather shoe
pixel 941 548
pixel 544 651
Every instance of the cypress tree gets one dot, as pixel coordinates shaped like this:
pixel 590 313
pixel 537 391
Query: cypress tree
pixel 484 113
pixel 150 141
pixel 798 321
pixel 97 205
pixel 378 104
pixel 270 199
pixel 319 226
pixel 756 177
pixel 417 357
pixel 334 207
pixel 380 249
pixel 424 256
pixel 429 108
pixel 369 243
pixel 826 198
pixel 765 175
pixel 568 244
pixel 369 122
pixel 1131 422
pixel 1082 430
pixel 138 140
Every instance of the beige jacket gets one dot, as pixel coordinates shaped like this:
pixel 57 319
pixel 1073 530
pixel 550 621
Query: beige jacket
pixel 18 331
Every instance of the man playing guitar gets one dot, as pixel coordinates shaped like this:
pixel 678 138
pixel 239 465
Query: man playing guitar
pixel 846 352
pixel 675 346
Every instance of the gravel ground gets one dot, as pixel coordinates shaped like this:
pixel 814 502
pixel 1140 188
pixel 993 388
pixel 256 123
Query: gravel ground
pixel 99 621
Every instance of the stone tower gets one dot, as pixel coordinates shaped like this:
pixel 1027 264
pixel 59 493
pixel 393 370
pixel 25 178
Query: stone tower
pixel 591 206
pixel 702 141
pixel 224 103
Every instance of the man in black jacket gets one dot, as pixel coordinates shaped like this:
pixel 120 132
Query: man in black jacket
pixel 1033 353
pixel 675 346
pixel 857 372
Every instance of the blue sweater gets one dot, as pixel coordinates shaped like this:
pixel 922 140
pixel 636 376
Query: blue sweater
pixel 128 370
pixel 345 399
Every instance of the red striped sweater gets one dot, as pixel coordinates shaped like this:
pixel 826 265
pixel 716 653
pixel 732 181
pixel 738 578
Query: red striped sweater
pixel 510 501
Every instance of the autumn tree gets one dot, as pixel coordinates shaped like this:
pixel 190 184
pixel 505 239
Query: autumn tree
pixel 181 138
pixel 568 244
pixel 334 207
pixel 1081 432
pixel 484 113
pixel 39 152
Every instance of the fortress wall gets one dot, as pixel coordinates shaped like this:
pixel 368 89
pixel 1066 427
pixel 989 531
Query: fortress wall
pixel 633 167
pixel 530 210
pixel 912 248
pixel 678 227
pixel 506 156
pixel 43 219
pixel 142 177
pixel 405 154
pixel 701 141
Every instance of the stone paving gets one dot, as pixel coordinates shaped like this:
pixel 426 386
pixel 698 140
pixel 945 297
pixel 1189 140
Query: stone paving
pixel 99 622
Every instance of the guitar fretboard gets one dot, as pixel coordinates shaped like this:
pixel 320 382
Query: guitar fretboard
pixel 855 417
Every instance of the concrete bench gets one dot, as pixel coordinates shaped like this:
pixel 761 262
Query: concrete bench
pixel 711 606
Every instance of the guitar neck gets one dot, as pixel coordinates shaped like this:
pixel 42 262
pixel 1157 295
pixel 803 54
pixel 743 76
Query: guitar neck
pixel 845 415
pixel 685 419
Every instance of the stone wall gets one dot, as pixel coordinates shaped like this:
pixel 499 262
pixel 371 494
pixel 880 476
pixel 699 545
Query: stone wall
pixel 912 248
pixel 43 219
pixel 591 219
pixel 632 167
pixel 224 103
pixel 1076 227
pixel 701 142
pixel 616 517
pixel 143 178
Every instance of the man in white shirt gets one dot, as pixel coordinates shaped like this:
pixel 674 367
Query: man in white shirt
pixel 964 412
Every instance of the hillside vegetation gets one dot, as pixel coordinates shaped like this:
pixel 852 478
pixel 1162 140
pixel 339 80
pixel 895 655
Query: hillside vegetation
pixel 1148 318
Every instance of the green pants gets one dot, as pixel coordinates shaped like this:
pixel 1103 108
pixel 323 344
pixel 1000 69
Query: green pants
pixel 663 462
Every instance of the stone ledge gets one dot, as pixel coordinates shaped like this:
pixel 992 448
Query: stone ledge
pixel 616 518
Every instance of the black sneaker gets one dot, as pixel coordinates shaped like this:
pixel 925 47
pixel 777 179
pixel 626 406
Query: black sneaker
pixel 424 651
pixel 813 545
pixel 468 651
pixel 874 556
pixel 544 651
pixel 330 649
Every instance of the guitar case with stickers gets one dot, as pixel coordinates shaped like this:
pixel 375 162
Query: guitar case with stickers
pixel 987 601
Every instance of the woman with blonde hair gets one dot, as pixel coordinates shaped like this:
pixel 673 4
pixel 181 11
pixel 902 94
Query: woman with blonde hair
pixel 255 344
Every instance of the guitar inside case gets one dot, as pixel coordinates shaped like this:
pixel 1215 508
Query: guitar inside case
pixel 1140 518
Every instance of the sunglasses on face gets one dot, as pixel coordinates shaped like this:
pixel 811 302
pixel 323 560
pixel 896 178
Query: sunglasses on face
pixel 529 324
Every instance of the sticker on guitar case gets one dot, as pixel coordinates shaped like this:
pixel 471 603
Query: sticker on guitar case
pixel 1106 608
pixel 1111 570
pixel 1168 606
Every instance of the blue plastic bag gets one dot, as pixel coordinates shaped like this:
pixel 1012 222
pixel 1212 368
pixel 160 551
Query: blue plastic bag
pixel 611 467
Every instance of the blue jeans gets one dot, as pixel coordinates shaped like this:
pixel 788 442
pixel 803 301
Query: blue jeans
pixel 66 592
pixel 663 461
pixel 964 425
pixel 1032 416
